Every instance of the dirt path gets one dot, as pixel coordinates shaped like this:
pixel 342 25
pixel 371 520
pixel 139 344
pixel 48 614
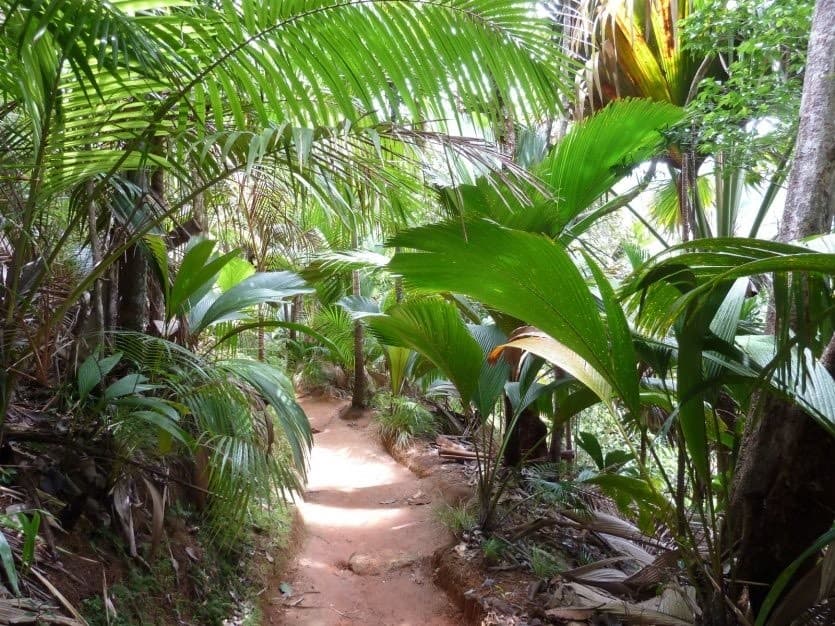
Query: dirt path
pixel 370 533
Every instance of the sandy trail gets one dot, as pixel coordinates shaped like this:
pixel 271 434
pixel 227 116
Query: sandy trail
pixel 363 510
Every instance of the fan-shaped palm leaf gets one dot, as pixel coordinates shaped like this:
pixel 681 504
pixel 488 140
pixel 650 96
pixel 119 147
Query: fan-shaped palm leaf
pixel 434 328
pixel 531 278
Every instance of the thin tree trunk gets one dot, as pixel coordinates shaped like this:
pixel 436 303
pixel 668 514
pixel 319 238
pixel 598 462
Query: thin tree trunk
pixel 111 297
pixel 97 303
pixel 783 497
pixel 295 312
pixel 132 307
pixel 358 398
pixel 198 207
pixel 261 334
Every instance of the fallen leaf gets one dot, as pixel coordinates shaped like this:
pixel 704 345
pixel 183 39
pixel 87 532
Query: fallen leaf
pixel 568 613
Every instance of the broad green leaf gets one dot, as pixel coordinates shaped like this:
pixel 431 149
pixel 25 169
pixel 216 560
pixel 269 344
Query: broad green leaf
pixel 259 288
pixel 236 270
pixel 691 334
pixel 589 443
pixel 602 149
pixel 398 362
pixel 572 404
pixel 168 408
pixel 128 384
pixel 433 328
pixel 30 526
pixel 632 493
pixel 554 352
pixel 525 275
pixel 623 359
pixel 196 275
pixel 493 376
pixel 359 307
pixel 804 379
pixel 93 371
pixel 165 424
pixel 724 325
pixel 7 558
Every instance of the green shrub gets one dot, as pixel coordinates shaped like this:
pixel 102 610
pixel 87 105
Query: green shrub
pixel 399 419
pixel 493 549
pixel 458 519
pixel 543 564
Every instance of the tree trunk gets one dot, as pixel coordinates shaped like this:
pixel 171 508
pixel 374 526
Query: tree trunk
pixel 295 313
pixel 358 397
pixel 783 495
pixel 133 290
pixel 809 200
pixel 527 439
pixel 97 295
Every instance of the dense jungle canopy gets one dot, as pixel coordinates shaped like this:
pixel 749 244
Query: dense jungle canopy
pixel 592 237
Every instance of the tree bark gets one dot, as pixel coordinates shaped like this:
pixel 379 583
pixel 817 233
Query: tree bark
pixel 783 495
pixel 809 200
pixel 133 290
pixel 527 438
pixel 97 295
pixel 358 396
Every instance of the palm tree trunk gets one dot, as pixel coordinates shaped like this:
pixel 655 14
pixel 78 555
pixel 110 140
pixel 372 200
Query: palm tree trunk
pixel 295 312
pixel 358 397
pixel 783 497
pixel 133 290
pixel 97 303
pixel 262 338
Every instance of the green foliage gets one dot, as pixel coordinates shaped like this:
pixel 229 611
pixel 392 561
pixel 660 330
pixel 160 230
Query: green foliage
pixel 192 294
pixel 493 549
pixel 434 328
pixel 594 155
pixel 603 149
pixel 241 412
pixel 612 460
pixel 336 324
pixel 399 419
pixel 543 564
pixel 458 518
pixel 763 46
pixel 520 281
pixel 233 273
pixel 7 559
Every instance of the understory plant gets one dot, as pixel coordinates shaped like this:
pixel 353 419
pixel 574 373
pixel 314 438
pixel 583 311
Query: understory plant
pixel 399 419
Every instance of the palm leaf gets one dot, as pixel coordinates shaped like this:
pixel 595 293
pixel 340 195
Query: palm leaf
pixel 527 276
pixel 259 288
pixel 602 149
pixel 433 328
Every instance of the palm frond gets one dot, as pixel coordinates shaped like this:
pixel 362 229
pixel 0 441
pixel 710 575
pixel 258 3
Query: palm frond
pixel 529 277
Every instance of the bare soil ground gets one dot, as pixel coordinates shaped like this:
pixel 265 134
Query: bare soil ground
pixel 370 535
